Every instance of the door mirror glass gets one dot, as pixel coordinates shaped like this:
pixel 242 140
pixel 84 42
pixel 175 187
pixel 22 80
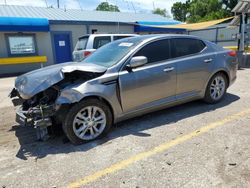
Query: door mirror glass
pixel 137 61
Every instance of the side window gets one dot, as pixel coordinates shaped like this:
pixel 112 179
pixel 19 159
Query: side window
pixel 155 51
pixel 186 46
pixel 120 37
pixel 100 41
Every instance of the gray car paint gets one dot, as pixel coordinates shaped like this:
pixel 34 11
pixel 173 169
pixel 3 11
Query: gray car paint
pixel 36 81
pixel 147 88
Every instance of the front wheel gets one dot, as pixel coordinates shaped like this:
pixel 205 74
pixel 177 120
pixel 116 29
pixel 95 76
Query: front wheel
pixel 88 120
pixel 216 88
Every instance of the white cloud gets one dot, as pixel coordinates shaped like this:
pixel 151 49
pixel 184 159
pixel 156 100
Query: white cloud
pixel 71 4
pixel 124 5
pixel 38 3
pixel 145 4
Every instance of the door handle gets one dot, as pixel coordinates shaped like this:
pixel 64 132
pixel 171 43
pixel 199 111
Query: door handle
pixel 208 60
pixel 168 69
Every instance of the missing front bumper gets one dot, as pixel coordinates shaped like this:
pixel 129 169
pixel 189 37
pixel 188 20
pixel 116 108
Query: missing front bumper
pixel 21 119
pixel 39 118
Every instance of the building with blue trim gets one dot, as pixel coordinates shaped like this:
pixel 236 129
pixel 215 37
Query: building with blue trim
pixel 31 33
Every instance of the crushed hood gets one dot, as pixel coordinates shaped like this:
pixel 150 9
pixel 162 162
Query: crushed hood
pixel 33 82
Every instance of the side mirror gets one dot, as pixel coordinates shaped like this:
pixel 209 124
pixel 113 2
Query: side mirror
pixel 137 61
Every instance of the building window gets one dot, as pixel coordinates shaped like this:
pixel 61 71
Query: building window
pixel 21 45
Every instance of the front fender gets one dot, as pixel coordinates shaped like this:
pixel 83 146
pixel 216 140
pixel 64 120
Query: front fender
pixel 74 94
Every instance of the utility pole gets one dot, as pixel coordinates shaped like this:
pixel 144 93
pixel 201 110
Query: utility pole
pixel 133 6
pixel 79 4
pixel 46 3
pixel 58 4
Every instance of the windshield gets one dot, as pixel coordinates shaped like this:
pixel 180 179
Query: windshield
pixel 112 53
pixel 81 43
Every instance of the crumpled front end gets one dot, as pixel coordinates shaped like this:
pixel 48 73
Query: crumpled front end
pixel 36 96
pixel 37 111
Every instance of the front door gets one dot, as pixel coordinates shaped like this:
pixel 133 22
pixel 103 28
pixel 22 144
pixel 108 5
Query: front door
pixel 152 84
pixel 62 46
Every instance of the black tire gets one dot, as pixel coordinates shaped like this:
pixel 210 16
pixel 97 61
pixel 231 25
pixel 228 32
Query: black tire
pixel 68 124
pixel 208 97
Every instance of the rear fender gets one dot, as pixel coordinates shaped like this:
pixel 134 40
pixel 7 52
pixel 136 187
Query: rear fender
pixel 212 74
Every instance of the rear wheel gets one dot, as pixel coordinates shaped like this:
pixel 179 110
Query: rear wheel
pixel 216 88
pixel 88 120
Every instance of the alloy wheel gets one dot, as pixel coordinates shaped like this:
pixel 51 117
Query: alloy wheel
pixel 89 123
pixel 217 87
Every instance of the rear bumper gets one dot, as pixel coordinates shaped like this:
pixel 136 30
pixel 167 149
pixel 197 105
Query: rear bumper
pixel 233 68
pixel 232 80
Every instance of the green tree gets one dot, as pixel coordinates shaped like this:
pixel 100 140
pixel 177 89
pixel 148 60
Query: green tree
pixel 162 12
pixel 202 10
pixel 179 11
pixel 105 6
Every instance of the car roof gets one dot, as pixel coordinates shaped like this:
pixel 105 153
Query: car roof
pixel 145 37
pixel 153 36
pixel 149 37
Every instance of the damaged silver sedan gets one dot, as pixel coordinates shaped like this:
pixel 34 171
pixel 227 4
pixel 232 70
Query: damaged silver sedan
pixel 123 79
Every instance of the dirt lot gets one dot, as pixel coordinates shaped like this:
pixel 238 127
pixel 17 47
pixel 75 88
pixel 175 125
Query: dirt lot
pixel 192 145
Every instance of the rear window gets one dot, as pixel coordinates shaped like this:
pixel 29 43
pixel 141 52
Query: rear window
pixel 81 43
pixel 186 46
pixel 100 41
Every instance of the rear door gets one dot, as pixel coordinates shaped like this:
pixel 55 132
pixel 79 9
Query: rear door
pixel 194 64
pixel 151 84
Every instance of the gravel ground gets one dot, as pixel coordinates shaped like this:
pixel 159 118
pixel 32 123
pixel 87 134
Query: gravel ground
pixel 218 158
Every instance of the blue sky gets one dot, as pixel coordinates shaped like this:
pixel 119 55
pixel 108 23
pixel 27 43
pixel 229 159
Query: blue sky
pixel 143 6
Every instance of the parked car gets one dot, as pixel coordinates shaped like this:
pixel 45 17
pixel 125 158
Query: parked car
pixel 87 44
pixel 124 79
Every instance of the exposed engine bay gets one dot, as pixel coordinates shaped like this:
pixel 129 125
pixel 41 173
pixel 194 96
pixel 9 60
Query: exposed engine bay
pixel 41 110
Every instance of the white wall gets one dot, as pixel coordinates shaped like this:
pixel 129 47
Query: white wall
pixel 205 34
pixel 224 37
pixel 110 29
pixel 44 47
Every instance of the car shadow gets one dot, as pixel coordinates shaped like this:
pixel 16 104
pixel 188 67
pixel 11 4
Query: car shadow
pixel 29 147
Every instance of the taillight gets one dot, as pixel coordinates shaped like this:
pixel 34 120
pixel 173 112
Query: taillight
pixel 86 53
pixel 232 53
